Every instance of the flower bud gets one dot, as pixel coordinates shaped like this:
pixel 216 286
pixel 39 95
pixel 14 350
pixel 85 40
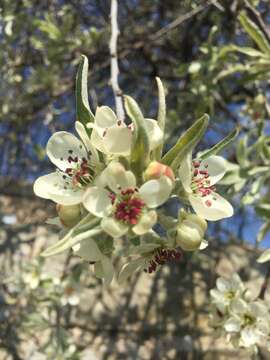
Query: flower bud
pixel 190 232
pixel 155 170
pixel 69 215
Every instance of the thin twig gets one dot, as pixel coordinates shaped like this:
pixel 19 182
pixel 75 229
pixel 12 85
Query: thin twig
pixel 114 62
pixel 264 285
pixel 182 18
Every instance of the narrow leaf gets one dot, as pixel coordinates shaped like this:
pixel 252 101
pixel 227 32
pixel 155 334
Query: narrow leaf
pixel 72 237
pixel 186 143
pixel 264 229
pixel 83 112
pixel 161 119
pixel 220 145
pixel 140 144
pixel 255 33
pixel 264 257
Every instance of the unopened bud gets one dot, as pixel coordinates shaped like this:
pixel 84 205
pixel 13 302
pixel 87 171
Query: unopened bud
pixel 155 170
pixel 190 231
pixel 69 215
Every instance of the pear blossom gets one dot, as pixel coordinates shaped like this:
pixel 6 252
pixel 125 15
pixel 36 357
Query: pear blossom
pixel 190 231
pixel 77 163
pixel 122 205
pixel 198 178
pixel 113 137
pixel 226 291
pixel 251 321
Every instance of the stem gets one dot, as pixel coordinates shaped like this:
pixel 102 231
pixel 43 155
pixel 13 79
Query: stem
pixel 114 62
pixel 264 285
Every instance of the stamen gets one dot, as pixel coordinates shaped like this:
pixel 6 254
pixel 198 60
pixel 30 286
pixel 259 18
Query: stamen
pixel 161 257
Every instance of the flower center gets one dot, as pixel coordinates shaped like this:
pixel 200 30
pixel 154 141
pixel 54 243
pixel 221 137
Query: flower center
pixel 80 172
pixel 128 207
pixel 200 183
pixel 161 257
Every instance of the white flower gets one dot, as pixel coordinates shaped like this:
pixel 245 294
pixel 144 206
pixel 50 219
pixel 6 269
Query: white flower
pixel 77 162
pixel 113 137
pixel 251 321
pixel 227 290
pixel 190 231
pixel 89 251
pixel 198 179
pixel 121 205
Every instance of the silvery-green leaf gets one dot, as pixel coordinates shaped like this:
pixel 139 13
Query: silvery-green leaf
pixel 264 229
pixel 83 112
pixel 186 143
pixel 140 149
pixel 264 257
pixel 263 210
pixel 161 119
pixel 73 236
pixel 255 33
pixel 220 145
pixel 242 151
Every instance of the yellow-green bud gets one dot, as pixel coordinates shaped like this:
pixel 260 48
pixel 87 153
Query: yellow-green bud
pixel 155 170
pixel 190 231
pixel 69 215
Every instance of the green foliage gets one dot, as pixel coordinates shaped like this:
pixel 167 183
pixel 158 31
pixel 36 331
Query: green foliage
pixel 186 143
pixel 140 149
pixel 84 114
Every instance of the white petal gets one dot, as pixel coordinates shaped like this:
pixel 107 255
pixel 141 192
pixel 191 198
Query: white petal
pixel 249 336
pixel 239 306
pixel 258 309
pixel 54 187
pixel 154 133
pixel 156 192
pixel 129 268
pixel 88 250
pixel 117 140
pixel 98 142
pixel 104 270
pixel 117 178
pixel 211 207
pixel 86 140
pixel 204 244
pixel 216 167
pixel 113 227
pixel 223 285
pixel 97 201
pixel 104 119
pixel 108 270
pixel 61 145
pixel 184 173
pixel 145 223
pixel 232 325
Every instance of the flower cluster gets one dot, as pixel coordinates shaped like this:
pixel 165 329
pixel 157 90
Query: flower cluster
pixel 113 182
pixel 245 322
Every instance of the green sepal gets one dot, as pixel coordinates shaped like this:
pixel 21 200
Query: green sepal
pixel 83 111
pixel 140 149
pixel 220 145
pixel 186 143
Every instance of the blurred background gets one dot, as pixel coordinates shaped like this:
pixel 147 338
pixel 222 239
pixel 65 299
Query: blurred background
pixel 214 57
